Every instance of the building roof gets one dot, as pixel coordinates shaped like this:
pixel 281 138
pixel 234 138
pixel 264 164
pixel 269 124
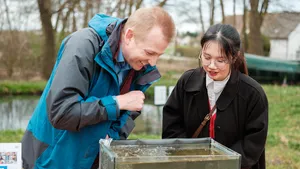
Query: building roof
pixel 280 25
pixel 275 25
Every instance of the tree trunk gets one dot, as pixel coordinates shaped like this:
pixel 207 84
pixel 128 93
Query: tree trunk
pixel 65 21
pixel 7 15
pixel 222 10
pixel 234 13
pixel 119 8
pixel 74 25
pixel 201 16
pixel 212 12
pixel 138 4
pixel 49 42
pixel 244 34
pixel 130 7
pixel 94 9
pixel 86 13
pixel 64 24
pixel 98 4
pixel 10 60
pixel 57 17
pixel 123 12
pixel 255 39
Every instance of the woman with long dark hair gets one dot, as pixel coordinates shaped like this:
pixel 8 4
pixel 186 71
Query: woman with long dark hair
pixel 219 100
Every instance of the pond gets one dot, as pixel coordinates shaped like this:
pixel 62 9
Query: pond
pixel 15 113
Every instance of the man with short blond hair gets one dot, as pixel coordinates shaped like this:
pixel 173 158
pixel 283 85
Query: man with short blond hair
pixel 96 88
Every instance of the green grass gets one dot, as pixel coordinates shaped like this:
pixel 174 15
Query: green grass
pixel 143 136
pixel 15 136
pixel 283 144
pixel 21 87
pixel 11 136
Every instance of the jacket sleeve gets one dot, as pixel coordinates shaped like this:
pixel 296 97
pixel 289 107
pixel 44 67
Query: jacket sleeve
pixel 173 120
pixel 256 126
pixel 68 105
pixel 126 129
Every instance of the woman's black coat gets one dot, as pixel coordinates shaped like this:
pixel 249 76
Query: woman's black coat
pixel 242 114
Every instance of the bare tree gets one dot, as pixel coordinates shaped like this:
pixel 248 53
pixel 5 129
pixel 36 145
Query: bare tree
pixel 124 9
pixel 97 4
pixel 201 16
pixel 130 7
pixel 186 11
pixel 138 4
pixel 8 61
pixel 234 13
pixel 7 15
pixel 1 20
pixel 57 17
pixel 222 11
pixel 244 33
pixel 191 14
pixel 74 26
pixel 88 5
pixel 256 18
pixel 49 41
pixel 212 12
pixel 119 7
pixel 12 57
pixel 66 21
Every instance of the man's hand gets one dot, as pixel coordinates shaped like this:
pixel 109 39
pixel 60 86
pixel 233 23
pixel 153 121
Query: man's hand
pixel 132 101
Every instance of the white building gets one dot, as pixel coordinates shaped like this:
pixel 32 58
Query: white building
pixel 283 30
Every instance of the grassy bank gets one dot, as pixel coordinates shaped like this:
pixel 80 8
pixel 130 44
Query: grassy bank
pixel 11 136
pixel 21 87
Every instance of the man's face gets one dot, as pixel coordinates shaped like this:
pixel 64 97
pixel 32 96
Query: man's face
pixel 139 52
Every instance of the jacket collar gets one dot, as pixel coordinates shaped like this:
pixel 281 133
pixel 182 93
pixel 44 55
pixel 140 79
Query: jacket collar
pixel 197 83
pixel 115 35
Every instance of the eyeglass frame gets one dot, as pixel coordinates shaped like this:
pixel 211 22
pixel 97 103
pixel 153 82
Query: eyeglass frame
pixel 200 61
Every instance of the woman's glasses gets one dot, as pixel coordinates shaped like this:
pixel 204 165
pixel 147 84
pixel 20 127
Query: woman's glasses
pixel 219 63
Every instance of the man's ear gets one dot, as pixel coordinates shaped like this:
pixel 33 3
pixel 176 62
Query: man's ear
pixel 128 35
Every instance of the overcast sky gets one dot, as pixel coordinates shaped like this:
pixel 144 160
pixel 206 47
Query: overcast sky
pixel 175 7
